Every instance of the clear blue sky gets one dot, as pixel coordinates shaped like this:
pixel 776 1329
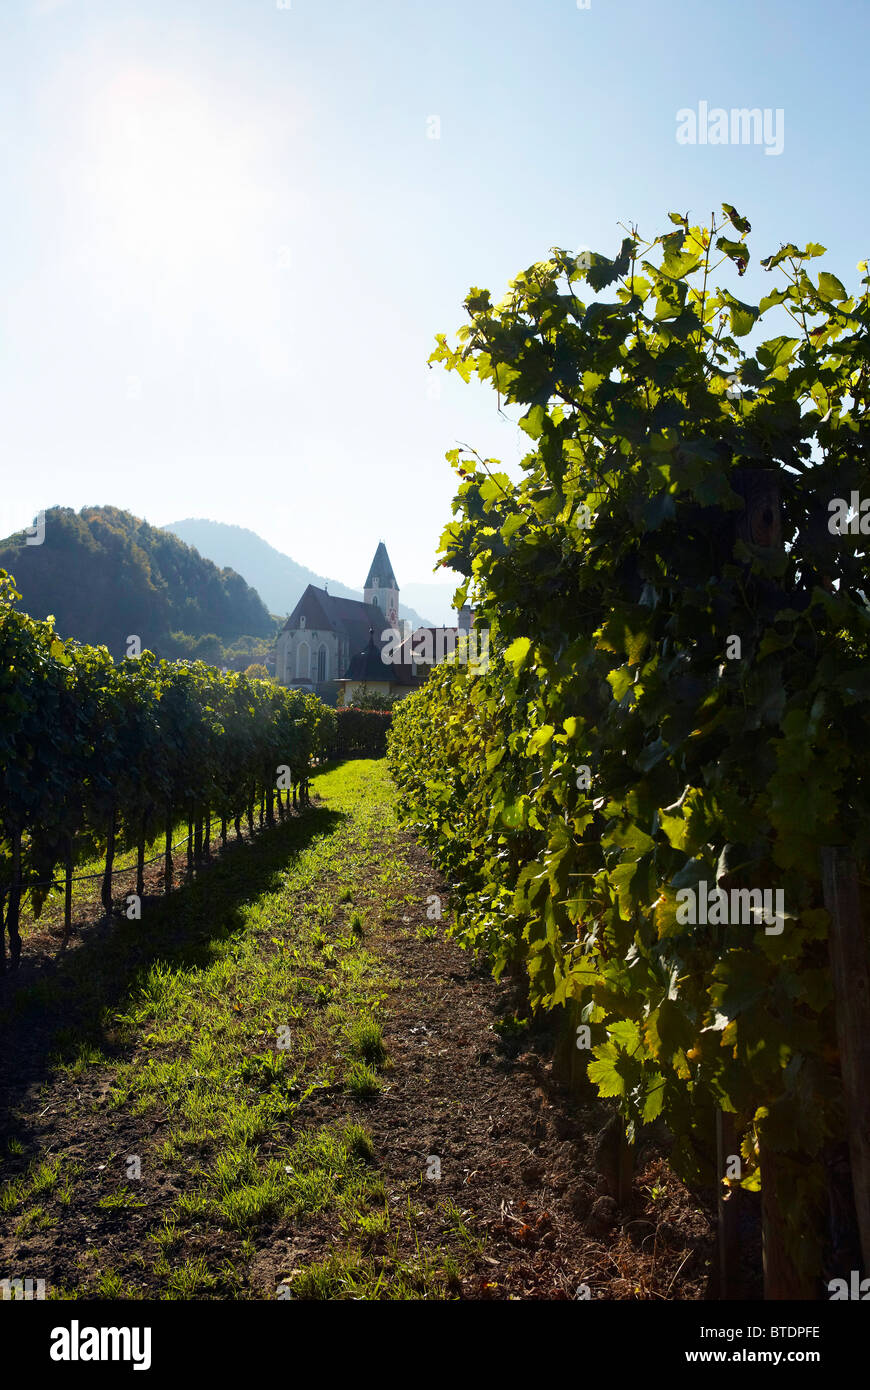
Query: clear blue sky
pixel 227 242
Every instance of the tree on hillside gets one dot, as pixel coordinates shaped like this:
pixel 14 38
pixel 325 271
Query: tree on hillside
pixel 106 575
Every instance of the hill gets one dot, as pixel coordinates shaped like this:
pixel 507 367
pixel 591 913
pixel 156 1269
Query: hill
pixel 279 580
pixel 107 575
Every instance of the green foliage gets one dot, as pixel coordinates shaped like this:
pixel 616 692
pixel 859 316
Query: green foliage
pixel 370 701
pixel 105 574
pixel 611 581
pixel 90 748
pixel 361 730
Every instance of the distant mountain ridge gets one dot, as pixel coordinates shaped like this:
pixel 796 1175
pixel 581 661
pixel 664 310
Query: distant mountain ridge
pixel 278 579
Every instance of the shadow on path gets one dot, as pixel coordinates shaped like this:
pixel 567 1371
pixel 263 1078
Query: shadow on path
pixel 73 1000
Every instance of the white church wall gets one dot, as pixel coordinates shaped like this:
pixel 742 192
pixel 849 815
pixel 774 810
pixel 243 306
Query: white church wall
pixel 297 655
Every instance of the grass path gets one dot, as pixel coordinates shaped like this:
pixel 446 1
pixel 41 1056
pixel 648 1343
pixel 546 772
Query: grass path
pixel 249 1093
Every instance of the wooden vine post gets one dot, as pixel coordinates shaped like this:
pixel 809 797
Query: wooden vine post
pixel 727 1144
pixel 14 908
pixel 167 853
pixel 850 974
pixel 140 856
pixel 67 889
pixel 760 525
pixel 782 1278
pixel 106 892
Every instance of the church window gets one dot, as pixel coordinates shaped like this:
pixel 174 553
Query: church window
pixel 303 656
pixel 322 664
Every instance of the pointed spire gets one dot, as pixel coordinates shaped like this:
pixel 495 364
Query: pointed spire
pixel 382 570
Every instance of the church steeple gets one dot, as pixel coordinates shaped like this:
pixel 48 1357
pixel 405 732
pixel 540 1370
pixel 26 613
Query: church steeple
pixel 381 587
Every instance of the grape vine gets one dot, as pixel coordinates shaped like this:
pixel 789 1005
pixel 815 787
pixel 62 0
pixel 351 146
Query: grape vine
pixel 97 754
pixel 670 701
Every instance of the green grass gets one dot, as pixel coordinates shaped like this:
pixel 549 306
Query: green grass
pixel 190 1280
pixel 110 1285
pixel 225 1013
pixel 125 1199
pixel 458 1222
pixel 34 1219
pixel 366 1041
pixel 168 1238
pixel 40 1179
pixel 353 1274
pixel 362 1080
pixel 359 1143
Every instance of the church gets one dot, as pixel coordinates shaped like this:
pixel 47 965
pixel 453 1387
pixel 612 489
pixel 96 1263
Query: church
pixel 332 646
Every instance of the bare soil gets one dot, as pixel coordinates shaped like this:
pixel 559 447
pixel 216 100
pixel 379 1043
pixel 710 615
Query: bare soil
pixel 518 1153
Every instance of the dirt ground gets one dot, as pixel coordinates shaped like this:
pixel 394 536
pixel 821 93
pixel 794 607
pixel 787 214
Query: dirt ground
pixel 469 1112
pixel 516 1149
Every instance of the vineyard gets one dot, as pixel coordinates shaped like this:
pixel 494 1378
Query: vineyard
pixel 648 810
pixel 676 704
pixel 98 756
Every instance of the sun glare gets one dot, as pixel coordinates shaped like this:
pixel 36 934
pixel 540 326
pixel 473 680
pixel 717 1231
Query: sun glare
pixel 169 179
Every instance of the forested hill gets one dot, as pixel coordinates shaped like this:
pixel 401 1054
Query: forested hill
pixel 106 575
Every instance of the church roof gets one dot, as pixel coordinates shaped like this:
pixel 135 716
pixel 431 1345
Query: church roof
pixel 367 665
pixel 349 617
pixel 382 570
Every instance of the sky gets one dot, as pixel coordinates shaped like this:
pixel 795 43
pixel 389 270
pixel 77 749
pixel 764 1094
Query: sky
pixel 232 228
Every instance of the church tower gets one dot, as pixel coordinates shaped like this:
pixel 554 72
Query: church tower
pixel 381 588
